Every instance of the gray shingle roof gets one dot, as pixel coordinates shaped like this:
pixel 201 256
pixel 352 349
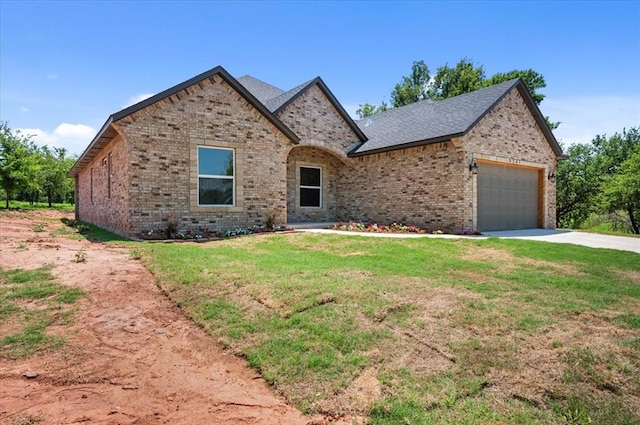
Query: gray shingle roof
pixel 428 120
pixel 259 89
pixel 276 102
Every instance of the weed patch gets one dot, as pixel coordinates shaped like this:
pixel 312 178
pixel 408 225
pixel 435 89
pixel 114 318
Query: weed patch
pixel 30 302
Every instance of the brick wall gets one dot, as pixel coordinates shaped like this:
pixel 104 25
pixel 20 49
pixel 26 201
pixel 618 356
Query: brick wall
pixel 510 135
pixel 421 186
pixel 163 161
pixel 97 204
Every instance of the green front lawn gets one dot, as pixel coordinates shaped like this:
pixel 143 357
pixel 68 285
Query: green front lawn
pixel 422 331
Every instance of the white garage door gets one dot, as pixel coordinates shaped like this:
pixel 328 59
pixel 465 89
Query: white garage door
pixel 507 197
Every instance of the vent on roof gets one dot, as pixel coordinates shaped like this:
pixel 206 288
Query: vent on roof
pixel 369 122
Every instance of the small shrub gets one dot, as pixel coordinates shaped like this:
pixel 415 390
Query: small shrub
pixel 135 253
pixel 81 256
pixel 270 223
pixel 171 229
pixel 38 228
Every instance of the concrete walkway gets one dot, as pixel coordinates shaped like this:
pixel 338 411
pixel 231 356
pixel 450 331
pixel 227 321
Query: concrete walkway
pixel 591 240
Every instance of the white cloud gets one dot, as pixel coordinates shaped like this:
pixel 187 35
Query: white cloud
pixel 24 109
pixel 137 98
pixel 52 76
pixel 582 118
pixel 74 137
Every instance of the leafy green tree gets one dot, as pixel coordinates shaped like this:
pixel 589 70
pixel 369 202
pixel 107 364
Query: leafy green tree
pixel 368 110
pixel 577 186
pixel 621 191
pixel 449 82
pixel 600 177
pixel 53 173
pixel 412 88
pixel 619 164
pixel 613 151
pixel 532 79
pixel 18 162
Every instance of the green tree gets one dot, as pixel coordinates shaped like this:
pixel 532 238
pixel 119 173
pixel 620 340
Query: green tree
pixel 449 82
pixel 577 186
pixel 613 151
pixel 368 110
pixel 55 164
pixel 18 162
pixel 412 88
pixel 531 78
pixel 619 164
pixel 600 177
pixel 621 191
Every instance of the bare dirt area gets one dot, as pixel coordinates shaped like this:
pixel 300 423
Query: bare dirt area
pixel 130 357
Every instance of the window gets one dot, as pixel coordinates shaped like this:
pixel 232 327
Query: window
pixel 216 176
pixel 310 187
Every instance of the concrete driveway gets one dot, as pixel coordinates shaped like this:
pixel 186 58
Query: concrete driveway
pixel 591 240
pixel 577 238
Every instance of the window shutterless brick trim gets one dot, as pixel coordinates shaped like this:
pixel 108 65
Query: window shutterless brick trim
pixel 238 152
pixel 302 186
pixel 216 177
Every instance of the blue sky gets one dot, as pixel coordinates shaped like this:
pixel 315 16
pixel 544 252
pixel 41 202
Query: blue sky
pixel 66 66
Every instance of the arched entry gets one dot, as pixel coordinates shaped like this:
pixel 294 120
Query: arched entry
pixel 313 185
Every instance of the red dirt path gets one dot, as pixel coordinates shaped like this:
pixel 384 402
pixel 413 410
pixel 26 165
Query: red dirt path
pixel 131 356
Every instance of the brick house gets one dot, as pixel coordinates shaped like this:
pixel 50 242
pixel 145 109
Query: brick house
pixel 217 152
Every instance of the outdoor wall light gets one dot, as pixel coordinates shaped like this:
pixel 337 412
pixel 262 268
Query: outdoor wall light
pixel 473 166
pixel 552 176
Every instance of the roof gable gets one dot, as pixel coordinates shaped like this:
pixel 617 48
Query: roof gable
pixel 106 133
pixel 280 103
pixel 429 122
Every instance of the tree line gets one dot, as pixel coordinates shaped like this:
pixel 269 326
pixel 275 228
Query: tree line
pixel 33 173
pixel 601 179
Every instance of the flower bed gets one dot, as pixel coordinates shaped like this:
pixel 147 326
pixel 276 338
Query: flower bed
pixel 207 235
pixel 359 226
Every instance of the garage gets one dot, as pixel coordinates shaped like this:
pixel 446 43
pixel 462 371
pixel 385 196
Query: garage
pixel 508 197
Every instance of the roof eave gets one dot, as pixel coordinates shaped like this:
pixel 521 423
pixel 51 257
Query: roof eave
pixel 413 144
pixel 85 157
pixel 540 120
